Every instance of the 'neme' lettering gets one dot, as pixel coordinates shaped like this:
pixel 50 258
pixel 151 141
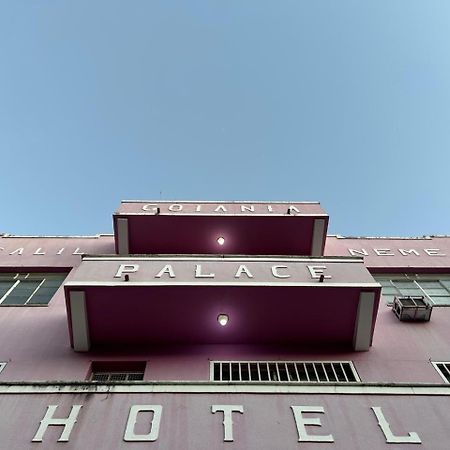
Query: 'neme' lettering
pixel 302 424
pixel 393 252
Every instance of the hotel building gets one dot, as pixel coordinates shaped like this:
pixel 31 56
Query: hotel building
pixel 237 325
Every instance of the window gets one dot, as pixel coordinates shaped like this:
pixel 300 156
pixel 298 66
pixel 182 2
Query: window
pixel 443 369
pixel 104 371
pixel 435 288
pixel 279 371
pixel 2 366
pixel 20 289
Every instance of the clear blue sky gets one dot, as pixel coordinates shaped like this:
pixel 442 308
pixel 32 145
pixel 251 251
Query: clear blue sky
pixel 345 102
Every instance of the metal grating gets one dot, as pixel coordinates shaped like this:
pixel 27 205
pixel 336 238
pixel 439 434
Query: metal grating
pixel 444 370
pixel 117 376
pixel 284 371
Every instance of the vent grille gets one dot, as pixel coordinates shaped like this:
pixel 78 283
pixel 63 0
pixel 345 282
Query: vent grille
pixel 444 370
pixel 284 371
pixel 117 376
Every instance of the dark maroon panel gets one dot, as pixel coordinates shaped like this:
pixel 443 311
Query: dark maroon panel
pixel 188 314
pixel 243 234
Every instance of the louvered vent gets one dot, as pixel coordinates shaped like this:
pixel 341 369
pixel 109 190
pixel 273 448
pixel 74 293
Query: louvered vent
pixel 117 376
pixel 284 371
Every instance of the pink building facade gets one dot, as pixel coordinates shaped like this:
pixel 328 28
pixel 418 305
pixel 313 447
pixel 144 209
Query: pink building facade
pixel 238 325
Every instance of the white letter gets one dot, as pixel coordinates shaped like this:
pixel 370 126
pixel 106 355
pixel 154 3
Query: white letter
pixel 39 252
pixel 154 424
pixel 250 208
pixel 412 438
pixel 293 208
pixel 301 421
pixel 77 252
pixel 150 207
pixel 60 251
pixel 243 269
pixel 383 251
pixel 269 208
pixel 279 275
pixel 177 206
pixel 358 252
pixel 166 269
pixel 221 208
pixel 19 251
pixel 316 271
pixel 198 208
pixel 126 268
pixel 433 252
pixel 227 418
pixel 406 252
pixel 199 274
pixel 48 420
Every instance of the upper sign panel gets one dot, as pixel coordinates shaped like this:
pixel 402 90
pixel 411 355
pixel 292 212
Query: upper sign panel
pixel 247 228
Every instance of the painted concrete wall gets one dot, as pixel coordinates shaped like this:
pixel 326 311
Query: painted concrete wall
pixel 35 340
pixel 186 421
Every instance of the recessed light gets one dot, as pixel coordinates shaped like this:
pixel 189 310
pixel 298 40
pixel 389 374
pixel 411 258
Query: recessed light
pixel 222 319
pixel 221 240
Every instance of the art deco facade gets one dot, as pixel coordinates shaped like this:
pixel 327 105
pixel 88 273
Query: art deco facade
pixel 238 325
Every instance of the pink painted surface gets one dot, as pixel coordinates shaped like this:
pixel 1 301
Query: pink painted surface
pixel 187 422
pixel 35 343
pixel 35 340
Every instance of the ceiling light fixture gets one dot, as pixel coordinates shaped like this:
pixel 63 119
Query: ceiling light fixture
pixel 221 240
pixel 222 319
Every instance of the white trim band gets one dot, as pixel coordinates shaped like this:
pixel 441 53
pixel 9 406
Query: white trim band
pixel 222 388
pixel 202 282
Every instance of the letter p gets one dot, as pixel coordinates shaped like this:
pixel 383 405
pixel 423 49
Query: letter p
pixel 126 268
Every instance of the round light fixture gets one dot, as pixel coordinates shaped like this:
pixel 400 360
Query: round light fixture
pixel 222 319
pixel 221 240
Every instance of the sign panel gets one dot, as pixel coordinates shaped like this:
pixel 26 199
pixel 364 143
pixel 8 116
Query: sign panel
pixel 221 270
pixel 202 420
pixel 220 208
